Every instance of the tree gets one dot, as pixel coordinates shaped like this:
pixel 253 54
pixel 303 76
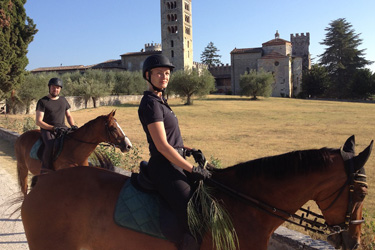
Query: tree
pixel 17 31
pixel 209 56
pixel 315 82
pixel 255 83
pixel 128 83
pixel 342 57
pixel 188 82
pixel 363 84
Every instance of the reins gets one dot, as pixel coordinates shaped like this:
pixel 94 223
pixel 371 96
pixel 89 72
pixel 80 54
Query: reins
pixel 108 134
pixel 311 225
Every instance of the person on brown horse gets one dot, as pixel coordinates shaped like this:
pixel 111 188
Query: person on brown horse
pixel 170 172
pixel 51 111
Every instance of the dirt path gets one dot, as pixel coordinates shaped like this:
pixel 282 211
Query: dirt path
pixel 12 236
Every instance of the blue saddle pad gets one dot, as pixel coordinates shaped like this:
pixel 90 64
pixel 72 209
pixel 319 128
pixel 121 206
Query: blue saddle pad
pixel 35 148
pixel 138 211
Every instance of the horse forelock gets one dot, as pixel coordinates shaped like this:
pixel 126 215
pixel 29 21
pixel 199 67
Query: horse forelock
pixel 289 164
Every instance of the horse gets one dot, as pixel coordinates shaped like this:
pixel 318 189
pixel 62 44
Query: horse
pixel 76 149
pixel 73 208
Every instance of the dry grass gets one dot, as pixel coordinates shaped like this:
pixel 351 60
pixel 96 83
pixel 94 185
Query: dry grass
pixel 235 129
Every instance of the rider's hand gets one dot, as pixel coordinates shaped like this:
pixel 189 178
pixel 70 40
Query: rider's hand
pixel 199 173
pixel 74 127
pixel 58 131
pixel 198 157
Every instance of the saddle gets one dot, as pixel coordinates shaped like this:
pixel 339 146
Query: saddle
pixel 140 208
pixel 37 149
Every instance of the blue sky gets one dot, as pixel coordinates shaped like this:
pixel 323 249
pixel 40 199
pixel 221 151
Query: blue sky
pixel 85 32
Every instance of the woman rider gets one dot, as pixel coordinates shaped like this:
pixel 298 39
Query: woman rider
pixel 167 166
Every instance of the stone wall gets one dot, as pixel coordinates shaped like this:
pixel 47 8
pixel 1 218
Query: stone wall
pixel 77 102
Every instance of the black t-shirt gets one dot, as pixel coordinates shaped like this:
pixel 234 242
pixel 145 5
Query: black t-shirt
pixel 154 109
pixel 54 110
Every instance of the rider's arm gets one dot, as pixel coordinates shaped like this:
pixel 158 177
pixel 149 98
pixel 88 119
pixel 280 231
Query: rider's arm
pixel 69 117
pixel 39 121
pixel 159 138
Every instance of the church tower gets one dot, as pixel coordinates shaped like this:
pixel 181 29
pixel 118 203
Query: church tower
pixel 177 32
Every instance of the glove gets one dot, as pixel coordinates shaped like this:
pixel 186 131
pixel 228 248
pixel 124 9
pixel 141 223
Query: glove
pixel 58 131
pixel 74 127
pixel 199 173
pixel 199 157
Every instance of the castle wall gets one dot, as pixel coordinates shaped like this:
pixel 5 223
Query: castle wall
pixel 242 63
pixel 281 69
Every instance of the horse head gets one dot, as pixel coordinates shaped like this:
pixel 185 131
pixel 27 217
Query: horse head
pixel 115 134
pixel 346 233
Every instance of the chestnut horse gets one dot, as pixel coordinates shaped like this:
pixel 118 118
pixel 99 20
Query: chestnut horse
pixel 77 147
pixel 73 208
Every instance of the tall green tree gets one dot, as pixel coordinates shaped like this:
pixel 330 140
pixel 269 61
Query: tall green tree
pixel 256 83
pixel 342 57
pixel 188 83
pixel 315 82
pixel 209 55
pixel 17 32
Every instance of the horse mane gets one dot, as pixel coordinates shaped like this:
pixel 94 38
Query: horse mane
pixel 91 122
pixel 293 163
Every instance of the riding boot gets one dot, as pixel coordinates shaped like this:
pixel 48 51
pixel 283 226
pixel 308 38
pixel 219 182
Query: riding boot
pixel 189 243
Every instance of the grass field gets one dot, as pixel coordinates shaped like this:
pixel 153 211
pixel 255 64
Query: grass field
pixel 234 129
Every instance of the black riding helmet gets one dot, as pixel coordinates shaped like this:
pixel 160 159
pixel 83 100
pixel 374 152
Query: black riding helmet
pixel 155 61
pixel 55 81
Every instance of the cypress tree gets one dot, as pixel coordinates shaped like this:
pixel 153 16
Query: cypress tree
pixel 17 31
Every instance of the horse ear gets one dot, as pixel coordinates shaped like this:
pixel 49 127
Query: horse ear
pixel 347 151
pixel 112 114
pixel 361 159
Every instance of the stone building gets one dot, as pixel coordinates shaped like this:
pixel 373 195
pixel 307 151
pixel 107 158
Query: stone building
pixel 284 59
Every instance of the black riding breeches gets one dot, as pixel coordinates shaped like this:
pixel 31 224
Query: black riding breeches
pixel 48 139
pixel 173 186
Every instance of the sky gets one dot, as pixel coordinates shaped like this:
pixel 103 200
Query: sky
pixel 86 32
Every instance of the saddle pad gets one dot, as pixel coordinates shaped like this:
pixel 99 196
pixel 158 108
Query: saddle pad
pixel 138 211
pixel 35 148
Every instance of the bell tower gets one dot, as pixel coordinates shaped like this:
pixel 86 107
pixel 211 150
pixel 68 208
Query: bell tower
pixel 177 32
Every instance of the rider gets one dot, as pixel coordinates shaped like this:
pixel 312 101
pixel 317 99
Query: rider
pixel 51 111
pixel 167 166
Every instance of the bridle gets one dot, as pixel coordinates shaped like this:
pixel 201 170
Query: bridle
pixel 310 224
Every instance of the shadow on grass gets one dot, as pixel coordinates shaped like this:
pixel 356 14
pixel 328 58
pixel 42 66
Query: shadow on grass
pixel 231 99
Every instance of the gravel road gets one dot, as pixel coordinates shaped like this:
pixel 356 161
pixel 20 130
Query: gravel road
pixel 12 235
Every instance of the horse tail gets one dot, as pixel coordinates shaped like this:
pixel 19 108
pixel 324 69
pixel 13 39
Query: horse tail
pixel 22 170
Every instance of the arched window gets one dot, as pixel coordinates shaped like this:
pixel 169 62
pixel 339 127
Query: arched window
pixel 168 5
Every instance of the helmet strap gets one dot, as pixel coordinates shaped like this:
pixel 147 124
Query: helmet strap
pixel 153 86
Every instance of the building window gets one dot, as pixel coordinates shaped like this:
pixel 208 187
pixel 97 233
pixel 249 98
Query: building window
pixel 172 29
pixel 172 53
pixel 187 30
pixel 187 6
pixel 172 43
pixel 171 5
pixel 277 63
pixel 187 18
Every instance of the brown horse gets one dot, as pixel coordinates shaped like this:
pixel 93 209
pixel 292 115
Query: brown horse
pixel 77 147
pixel 73 208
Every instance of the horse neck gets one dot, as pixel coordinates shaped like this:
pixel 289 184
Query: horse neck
pixel 288 193
pixel 93 132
